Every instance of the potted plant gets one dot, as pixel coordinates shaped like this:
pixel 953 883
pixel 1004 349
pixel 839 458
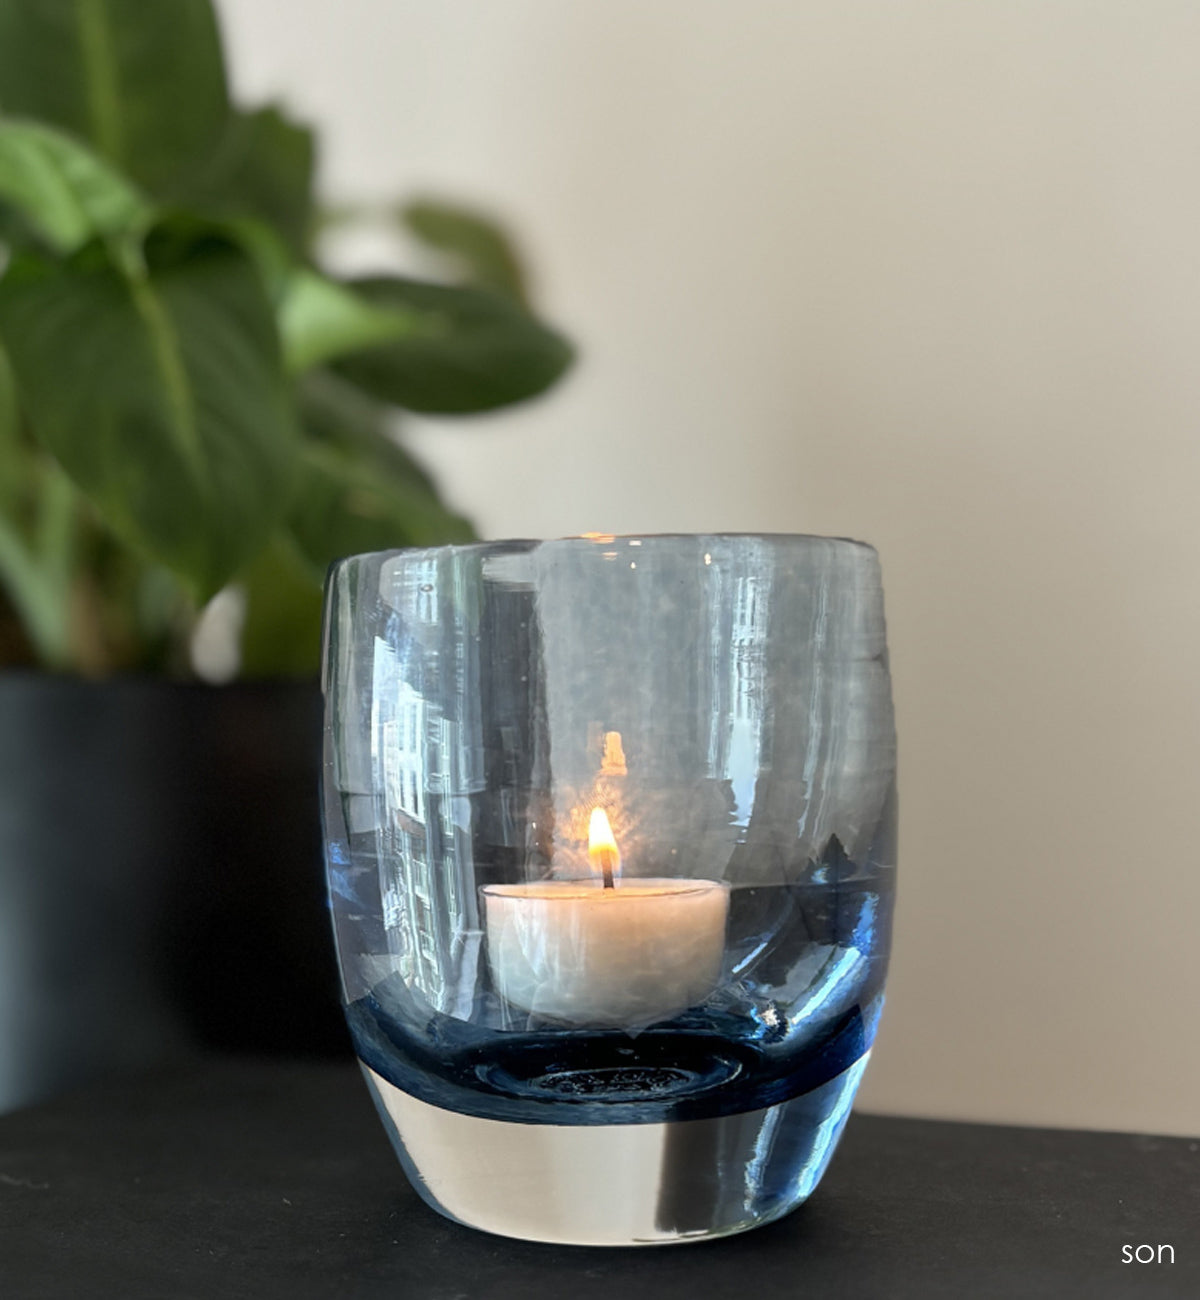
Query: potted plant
pixel 190 405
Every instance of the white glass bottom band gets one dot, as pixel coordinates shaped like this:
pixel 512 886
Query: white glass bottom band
pixel 618 1184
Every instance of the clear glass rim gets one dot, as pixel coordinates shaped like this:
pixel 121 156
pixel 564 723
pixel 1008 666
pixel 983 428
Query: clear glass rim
pixel 499 544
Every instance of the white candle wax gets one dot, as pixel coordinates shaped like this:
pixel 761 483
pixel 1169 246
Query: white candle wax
pixel 575 951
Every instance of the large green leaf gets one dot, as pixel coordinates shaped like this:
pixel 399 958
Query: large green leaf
pixel 142 80
pixel 37 510
pixel 345 505
pixel 159 389
pixel 281 635
pixel 336 412
pixel 263 168
pixel 359 490
pixel 472 351
pixel 482 249
pixel 8 412
pixel 12 458
pixel 320 319
pixel 61 190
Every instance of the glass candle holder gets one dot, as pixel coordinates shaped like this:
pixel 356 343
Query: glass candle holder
pixel 610 830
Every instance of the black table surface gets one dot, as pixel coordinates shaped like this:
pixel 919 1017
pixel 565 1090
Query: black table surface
pixel 260 1179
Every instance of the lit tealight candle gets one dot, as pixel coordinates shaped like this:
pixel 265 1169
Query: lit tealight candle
pixel 606 952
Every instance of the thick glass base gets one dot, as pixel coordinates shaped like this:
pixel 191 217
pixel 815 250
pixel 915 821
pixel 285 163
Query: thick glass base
pixel 618 1184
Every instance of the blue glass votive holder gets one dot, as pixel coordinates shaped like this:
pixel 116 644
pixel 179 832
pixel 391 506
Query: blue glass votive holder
pixel 610 830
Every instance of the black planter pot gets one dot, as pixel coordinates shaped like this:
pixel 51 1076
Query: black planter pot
pixel 161 888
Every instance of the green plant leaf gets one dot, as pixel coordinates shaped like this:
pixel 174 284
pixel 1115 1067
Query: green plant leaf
pixel 263 169
pixel 266 249
pixel 159 389
pixel 37 531
pixel 320 319
pixel 473 350
pixel 483 251
pixel 10 428
pixel 336 412
pixel 282 632
pixel 61 190
pixel 142 80
pixel 346 504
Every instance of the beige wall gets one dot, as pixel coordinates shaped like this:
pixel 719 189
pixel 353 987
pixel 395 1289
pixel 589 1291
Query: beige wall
pixel 922 273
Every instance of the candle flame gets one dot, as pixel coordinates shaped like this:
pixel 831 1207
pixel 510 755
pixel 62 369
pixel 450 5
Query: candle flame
pixel 603 854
